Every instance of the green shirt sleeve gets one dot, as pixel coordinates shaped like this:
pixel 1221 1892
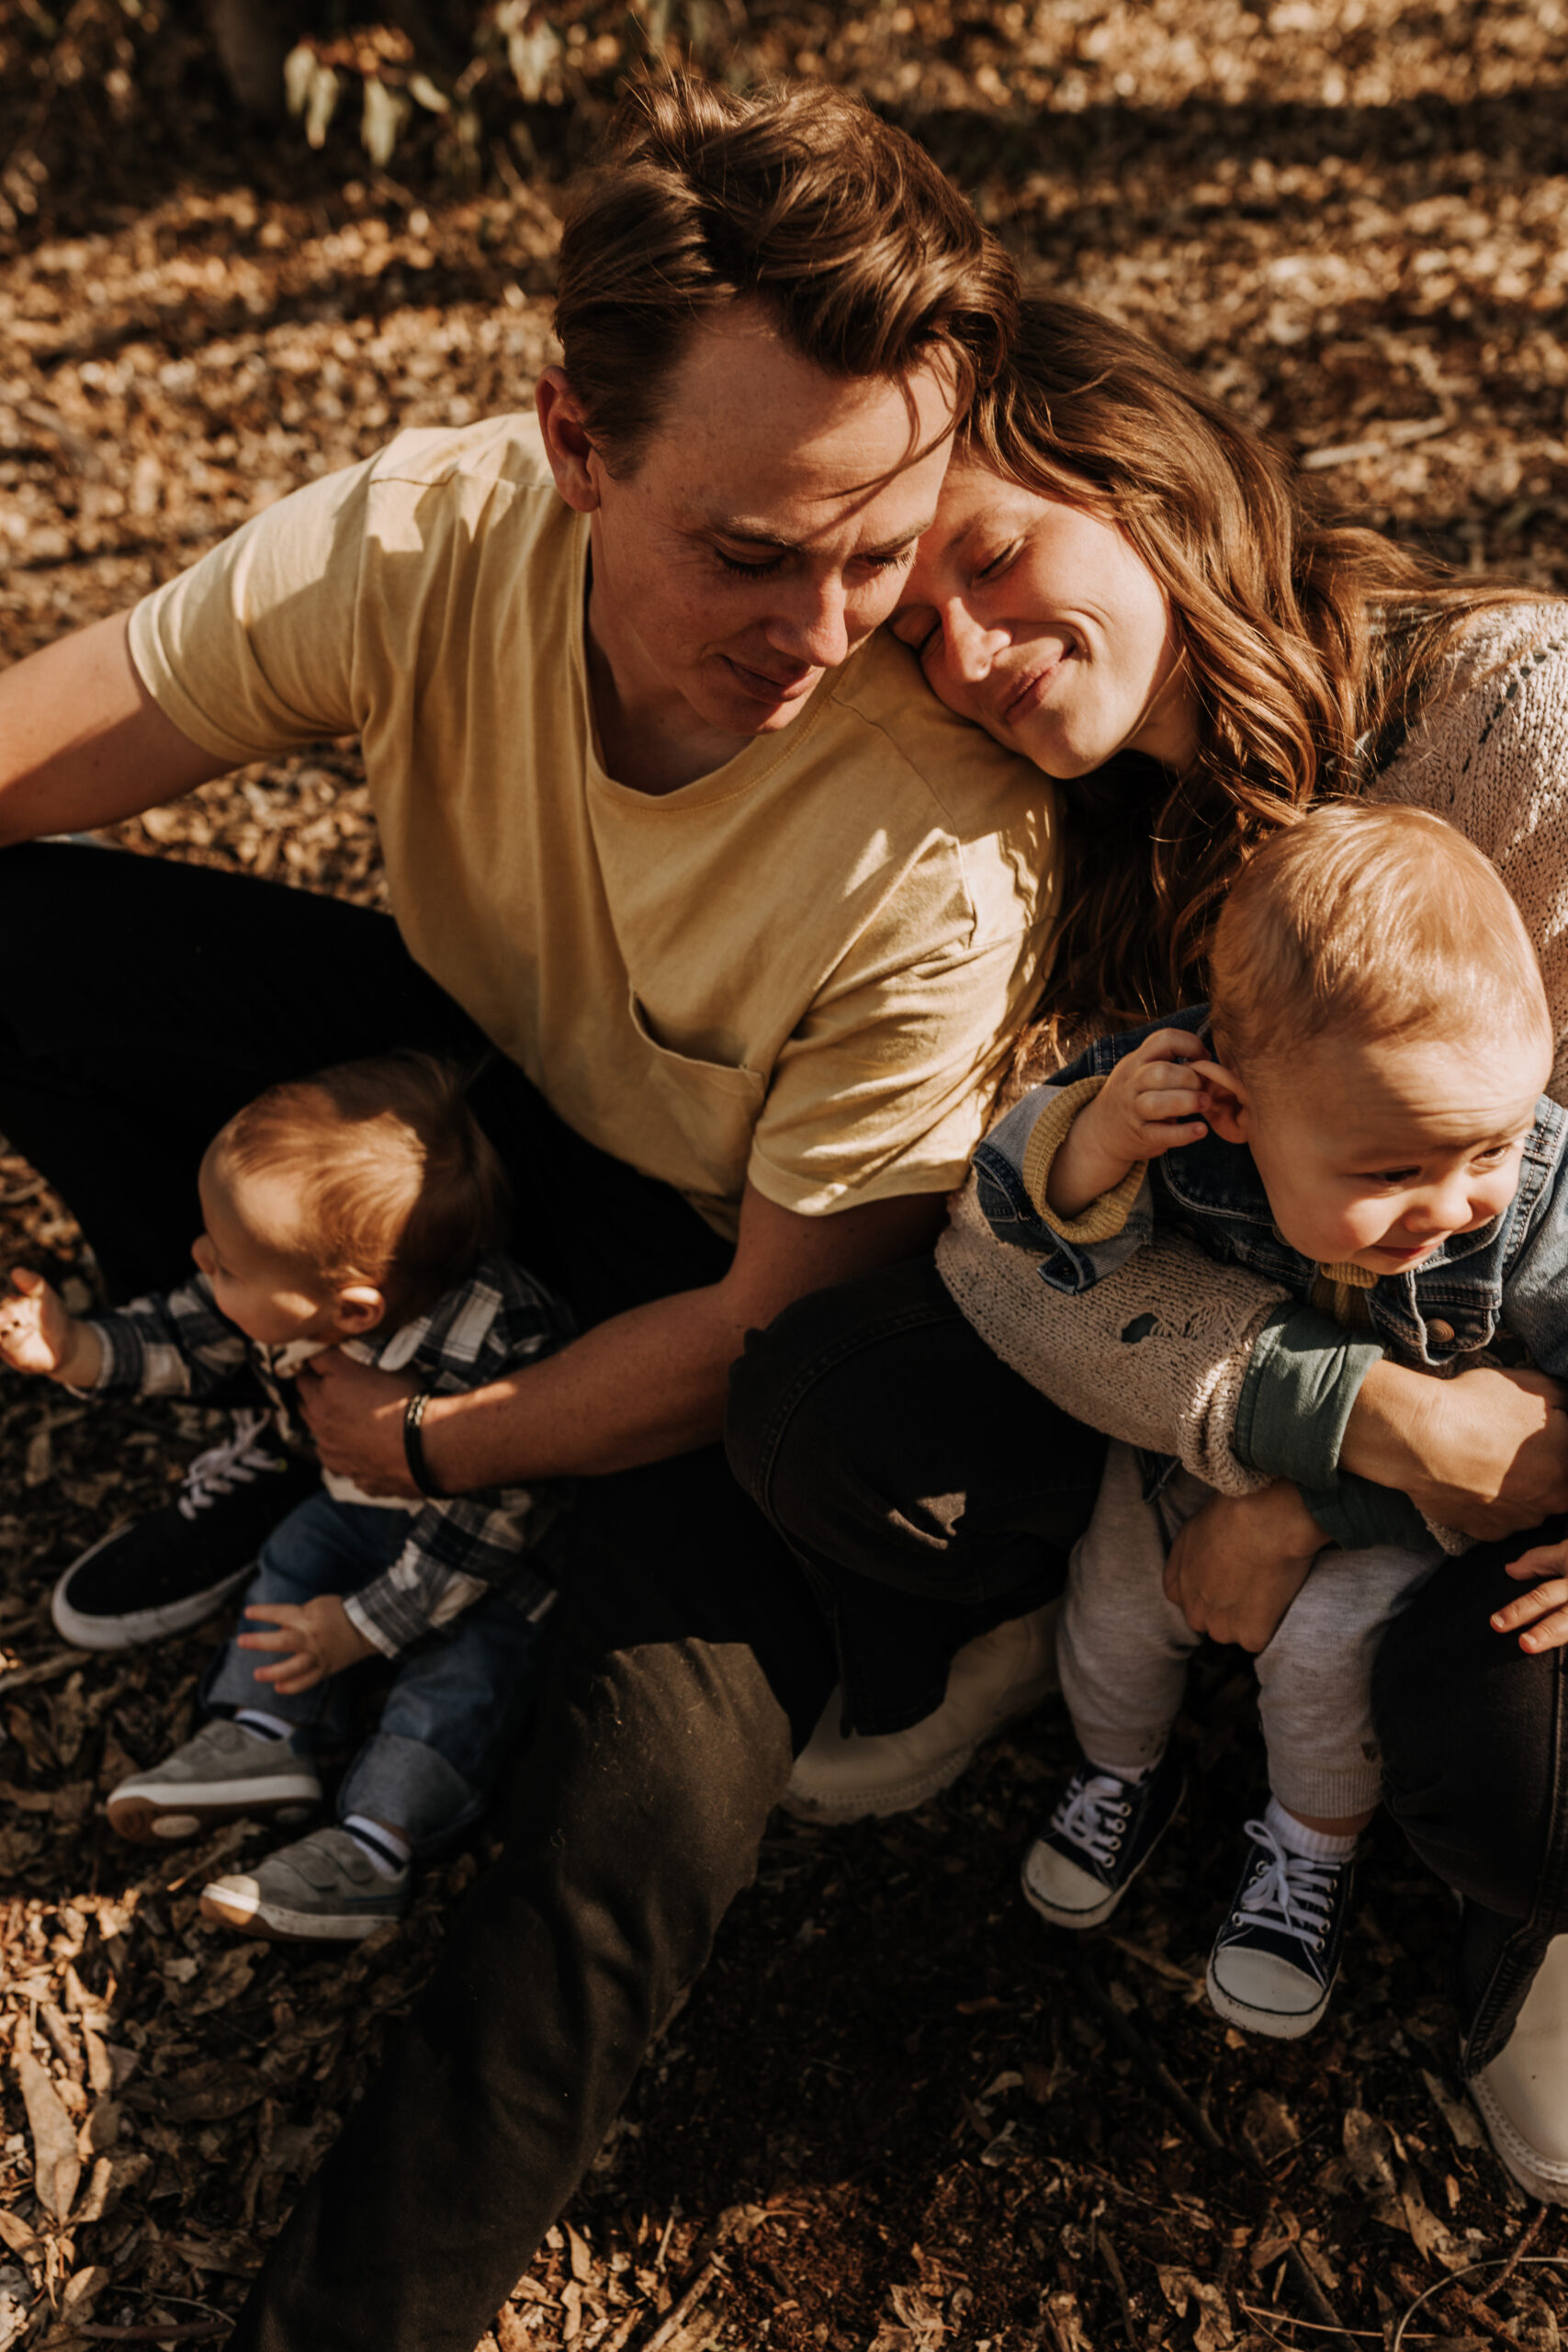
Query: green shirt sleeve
pixel 1305 1374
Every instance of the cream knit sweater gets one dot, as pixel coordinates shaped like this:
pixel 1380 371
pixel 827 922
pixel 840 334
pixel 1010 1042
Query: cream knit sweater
pixel 1492 757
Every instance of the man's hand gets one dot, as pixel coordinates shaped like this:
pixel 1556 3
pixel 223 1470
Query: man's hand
pixel 638 1387
pixel 37 1334
pixel 1152 1102
pixel 315 1638
pixel 1486 1451
pixel 1238 1564
pixel 355 1415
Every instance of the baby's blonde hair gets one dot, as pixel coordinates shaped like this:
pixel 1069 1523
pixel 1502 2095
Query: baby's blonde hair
pixel 391 1181
pixel 1370 923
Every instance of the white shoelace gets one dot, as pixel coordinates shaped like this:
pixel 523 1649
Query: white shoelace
pixel 1092 1815
pixel 1293 1892
pixel 223 1468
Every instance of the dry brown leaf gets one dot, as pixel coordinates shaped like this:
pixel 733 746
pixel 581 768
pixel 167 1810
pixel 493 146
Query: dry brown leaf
pixel 1213 2330
pixel 15 2233
pixel 1267 2127
pixel 101 2130
pixel 1457 2113
pixel 922 2319
pixel 111 2176
pixel 100 2065
pixel 581 2259
pixel 82 2290
pixel 57 2167
pixel 1369 2146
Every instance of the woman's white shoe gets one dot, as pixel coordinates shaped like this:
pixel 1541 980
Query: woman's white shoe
pixel 1523 2095
pixel 992 1680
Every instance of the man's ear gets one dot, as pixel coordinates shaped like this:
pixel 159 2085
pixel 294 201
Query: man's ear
pixel 359 1309
pixel 1228 1113
pixel 574 459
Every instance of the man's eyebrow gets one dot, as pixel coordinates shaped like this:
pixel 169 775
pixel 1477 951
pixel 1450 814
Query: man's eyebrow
pixel 747 534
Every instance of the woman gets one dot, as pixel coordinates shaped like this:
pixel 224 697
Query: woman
pixel 1124 584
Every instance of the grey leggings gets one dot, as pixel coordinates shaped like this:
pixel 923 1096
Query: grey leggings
pixel 1124 1648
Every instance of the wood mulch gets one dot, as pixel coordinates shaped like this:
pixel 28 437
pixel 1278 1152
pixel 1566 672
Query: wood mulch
pixel 896 2115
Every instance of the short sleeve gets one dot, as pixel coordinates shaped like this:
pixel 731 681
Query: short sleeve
pixel 884 1089
pixel 252 650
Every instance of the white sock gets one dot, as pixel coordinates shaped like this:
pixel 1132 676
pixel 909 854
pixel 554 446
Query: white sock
pixel 264 1726
pixel 1315 1844
pixel 388 1849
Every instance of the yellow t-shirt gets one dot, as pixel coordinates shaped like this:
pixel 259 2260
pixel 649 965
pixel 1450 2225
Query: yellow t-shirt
pixel 801 969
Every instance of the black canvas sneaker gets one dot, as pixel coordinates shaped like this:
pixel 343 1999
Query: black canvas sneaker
pixel 1097 1841
pixel 1277 1954
pixel 167 1572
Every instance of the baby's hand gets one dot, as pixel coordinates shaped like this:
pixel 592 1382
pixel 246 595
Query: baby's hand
pixel 315 1638
pixel 1545 1611
pixel 1151 1102
pixel 37 1334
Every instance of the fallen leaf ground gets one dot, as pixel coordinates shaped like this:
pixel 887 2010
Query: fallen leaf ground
pixel 896 2115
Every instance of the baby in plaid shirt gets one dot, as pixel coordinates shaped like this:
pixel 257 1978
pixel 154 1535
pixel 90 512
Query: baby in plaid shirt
pixel 359 1209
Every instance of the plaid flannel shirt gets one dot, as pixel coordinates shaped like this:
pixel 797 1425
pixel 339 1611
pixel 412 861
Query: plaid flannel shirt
pixel 178 1344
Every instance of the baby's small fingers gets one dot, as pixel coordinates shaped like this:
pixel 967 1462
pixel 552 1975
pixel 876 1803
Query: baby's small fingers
pixel 1164 1103
pixel 290 1686
pixel 284 1639
pixel 1172 1044
pixel 281 1672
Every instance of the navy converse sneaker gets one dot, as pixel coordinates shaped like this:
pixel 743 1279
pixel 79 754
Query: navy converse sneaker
pixel 1100 1835
pixel 167 1572
pixel 1276 1956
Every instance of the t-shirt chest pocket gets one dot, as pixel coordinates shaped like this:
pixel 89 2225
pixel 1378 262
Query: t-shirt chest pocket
pixel 714 1104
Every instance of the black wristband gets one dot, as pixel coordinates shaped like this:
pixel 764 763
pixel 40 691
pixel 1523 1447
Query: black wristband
pixel 414 1446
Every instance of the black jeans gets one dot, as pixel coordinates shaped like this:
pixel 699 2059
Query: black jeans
pixel 964 1466
pixel 695 1651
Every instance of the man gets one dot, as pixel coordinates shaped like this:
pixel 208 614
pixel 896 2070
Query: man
pixel 749 919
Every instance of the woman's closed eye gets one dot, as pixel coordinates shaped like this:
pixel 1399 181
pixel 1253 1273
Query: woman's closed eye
pixel 994 565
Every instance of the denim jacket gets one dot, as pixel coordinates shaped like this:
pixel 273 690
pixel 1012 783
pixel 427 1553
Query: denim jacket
pixel 1507 1280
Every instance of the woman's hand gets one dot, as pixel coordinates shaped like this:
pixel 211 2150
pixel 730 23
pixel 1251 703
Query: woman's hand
pixel 314 1638
pixel 1543 1612
pixel 1486 1451
pixel 355 1415
pixel 1238 1564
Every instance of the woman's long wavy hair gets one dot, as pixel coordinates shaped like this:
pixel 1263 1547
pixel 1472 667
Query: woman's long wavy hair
pixel 1308 647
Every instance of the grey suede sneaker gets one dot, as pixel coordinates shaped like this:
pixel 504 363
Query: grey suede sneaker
pixel 223 1773
pixel 324 1888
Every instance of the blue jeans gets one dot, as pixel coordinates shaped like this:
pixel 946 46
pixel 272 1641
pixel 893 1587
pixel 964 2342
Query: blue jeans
pixel 452 1711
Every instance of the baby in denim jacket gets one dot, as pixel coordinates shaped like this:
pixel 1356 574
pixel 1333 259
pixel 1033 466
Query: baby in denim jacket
pixel 1358 1114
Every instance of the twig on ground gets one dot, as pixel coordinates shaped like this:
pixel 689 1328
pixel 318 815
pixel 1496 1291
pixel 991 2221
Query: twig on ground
pixel 679 2312
pixel 1114 2273
pixel 1190 2113
pixel 1468 2304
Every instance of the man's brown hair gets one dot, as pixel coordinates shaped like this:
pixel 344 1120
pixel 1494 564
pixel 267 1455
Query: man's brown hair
pixel 392 1182
pixel 798 198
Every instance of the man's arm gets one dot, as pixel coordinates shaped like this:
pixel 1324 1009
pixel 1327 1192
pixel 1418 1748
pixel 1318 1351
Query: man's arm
pixel 82 742
pixel 1486 1451
pixel 641 1386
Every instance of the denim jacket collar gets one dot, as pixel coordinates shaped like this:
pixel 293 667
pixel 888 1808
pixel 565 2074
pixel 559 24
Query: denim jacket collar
pixel 1446 1307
